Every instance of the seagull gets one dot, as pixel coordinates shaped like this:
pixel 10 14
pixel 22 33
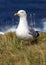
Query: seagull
pixel 23 32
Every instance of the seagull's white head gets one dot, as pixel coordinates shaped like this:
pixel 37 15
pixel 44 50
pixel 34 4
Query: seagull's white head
pixel 21 13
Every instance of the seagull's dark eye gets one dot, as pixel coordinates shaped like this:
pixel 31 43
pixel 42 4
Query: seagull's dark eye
pixel 21 12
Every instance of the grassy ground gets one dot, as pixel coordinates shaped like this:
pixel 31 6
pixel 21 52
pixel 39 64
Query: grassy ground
pixel 11 52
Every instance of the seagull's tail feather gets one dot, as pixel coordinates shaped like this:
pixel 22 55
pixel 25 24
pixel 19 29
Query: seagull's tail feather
pixel 37 34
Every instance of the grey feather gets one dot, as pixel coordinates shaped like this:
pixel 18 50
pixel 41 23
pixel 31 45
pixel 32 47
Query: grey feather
pixel 34 33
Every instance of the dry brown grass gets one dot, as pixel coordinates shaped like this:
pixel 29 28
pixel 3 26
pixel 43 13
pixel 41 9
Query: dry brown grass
pixel 11 52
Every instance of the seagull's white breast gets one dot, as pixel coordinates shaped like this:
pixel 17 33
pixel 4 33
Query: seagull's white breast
pixel 22 33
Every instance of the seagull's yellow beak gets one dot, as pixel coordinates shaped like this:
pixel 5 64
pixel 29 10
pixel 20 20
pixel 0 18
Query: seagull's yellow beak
pixel 16 14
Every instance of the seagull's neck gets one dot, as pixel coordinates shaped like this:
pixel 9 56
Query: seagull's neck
pixel 23 22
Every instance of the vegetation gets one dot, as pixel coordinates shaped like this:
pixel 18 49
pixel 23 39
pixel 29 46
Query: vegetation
pixel 12 52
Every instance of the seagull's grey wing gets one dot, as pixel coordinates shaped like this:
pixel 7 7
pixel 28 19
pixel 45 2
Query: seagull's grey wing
pixel 33 33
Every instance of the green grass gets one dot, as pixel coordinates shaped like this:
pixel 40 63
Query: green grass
pixel 11 52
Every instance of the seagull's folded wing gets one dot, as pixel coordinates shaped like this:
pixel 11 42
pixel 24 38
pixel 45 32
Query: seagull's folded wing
pixel 33 33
